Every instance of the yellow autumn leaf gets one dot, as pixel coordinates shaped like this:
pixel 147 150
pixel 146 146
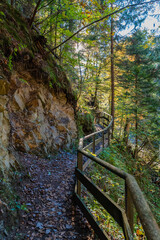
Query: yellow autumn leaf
pixel 93 154
pixel 139 232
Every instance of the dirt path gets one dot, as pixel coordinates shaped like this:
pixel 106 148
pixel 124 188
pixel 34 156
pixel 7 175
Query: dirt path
pixel 47 194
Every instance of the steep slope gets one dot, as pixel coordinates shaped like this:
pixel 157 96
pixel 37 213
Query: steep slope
pixel 36 100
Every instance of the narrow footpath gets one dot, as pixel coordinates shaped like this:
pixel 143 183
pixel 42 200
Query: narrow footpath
pixel 47 193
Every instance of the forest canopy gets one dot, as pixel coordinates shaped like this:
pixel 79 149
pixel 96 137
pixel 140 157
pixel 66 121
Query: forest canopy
pixel 109 69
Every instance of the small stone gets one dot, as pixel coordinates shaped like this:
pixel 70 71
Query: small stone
pixel 28 204
pixel 39 225
pixel 5 232
pixel 50 226
pixel 48 231
pixel 68 226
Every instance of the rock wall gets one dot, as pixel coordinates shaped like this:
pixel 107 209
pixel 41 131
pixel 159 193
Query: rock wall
pixel 33 118
pixel 41 122
pixel 6 157
pixel 36 98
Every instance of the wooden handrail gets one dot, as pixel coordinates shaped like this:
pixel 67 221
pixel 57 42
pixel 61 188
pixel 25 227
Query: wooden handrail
pixel 133 194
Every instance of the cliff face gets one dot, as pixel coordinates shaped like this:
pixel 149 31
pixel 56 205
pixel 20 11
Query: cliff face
pixel 36 99
pixel 5 155
pixel 41 121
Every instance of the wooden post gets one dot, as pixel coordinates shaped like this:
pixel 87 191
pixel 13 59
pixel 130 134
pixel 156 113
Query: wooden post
pixel 94 147
pixel 108 136
pixel 129 207
pixel 80 166
pixel 103 139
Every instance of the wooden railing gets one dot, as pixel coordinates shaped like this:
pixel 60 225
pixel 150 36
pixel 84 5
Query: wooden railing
pixel 133 195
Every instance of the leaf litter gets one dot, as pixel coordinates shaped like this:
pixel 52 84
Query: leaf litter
pixel 47 194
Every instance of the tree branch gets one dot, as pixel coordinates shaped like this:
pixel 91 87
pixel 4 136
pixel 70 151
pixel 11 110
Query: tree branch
pixel 34 13
pixel 100 19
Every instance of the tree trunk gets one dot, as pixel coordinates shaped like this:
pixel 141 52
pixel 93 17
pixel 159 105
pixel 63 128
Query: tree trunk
pixel 60 54
pixel 50 27
pixel 55 36
pixel 136 119
pixel 34 13
pixel 81 78
pixel 112 72
pixel 126 131
pixel 121 125
pixel 12 2
pixel 95 101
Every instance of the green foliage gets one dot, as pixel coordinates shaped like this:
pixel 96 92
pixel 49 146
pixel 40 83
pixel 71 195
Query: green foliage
pixel 2 14
pixel 14 53
pixel 11 205
pixel 10 65
pixel 106 221
pixel 50 84
pixel 8 193
pixel 85 122
pixel 86 59
pixel 24 81
pixel 140 72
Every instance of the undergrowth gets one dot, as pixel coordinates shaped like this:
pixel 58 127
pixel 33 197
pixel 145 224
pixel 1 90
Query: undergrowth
pixel 10 205
pixel 85 121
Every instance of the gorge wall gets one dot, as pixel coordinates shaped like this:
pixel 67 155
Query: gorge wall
pixel 37 103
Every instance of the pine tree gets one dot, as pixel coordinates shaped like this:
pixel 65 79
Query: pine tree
pixel 140 71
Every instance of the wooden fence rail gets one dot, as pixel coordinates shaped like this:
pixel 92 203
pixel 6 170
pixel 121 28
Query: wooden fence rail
pixel 133 194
